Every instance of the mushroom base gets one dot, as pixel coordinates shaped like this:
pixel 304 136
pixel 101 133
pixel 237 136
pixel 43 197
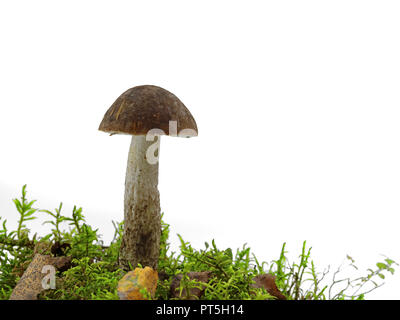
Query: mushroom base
pixel 142 220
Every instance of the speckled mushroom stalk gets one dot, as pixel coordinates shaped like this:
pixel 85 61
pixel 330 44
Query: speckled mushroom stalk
pixel 141 241
pixel 140 111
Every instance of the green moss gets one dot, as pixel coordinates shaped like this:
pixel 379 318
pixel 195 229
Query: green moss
pixel 95 273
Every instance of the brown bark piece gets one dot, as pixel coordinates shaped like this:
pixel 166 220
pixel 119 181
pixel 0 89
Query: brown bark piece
pixel 267 281
pixel 30 284
pixel 194 293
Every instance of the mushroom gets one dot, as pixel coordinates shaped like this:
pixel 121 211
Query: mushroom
pixel 145 112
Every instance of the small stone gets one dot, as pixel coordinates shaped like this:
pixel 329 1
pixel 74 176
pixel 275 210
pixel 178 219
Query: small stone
pixel 267 281
pixel 194 293
pixel 141 278
pixel 30 284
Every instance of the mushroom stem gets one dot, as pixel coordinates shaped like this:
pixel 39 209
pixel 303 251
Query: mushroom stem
pixel 142 220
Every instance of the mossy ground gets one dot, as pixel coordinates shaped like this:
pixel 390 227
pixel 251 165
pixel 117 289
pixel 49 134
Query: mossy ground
pixel 95 273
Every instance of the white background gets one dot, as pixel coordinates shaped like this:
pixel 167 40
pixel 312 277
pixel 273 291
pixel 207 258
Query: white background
pixel 297 104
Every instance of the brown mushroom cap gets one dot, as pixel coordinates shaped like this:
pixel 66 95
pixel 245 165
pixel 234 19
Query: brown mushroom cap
pixel 147 107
